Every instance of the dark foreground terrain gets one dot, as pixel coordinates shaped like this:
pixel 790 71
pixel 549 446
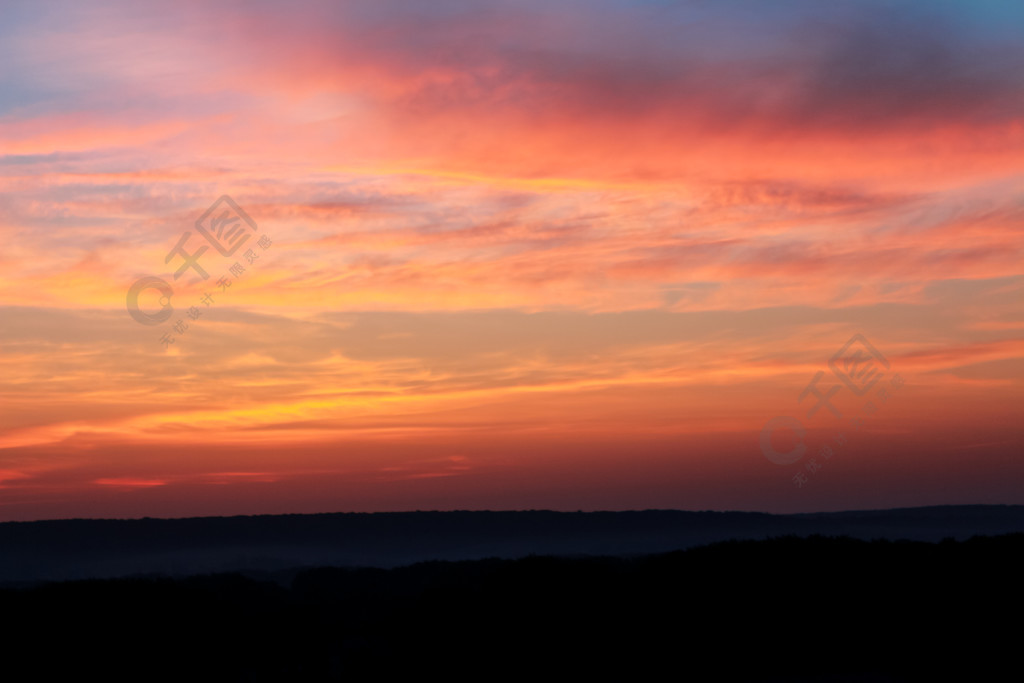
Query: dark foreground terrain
pixel 784 609
pixel 109 548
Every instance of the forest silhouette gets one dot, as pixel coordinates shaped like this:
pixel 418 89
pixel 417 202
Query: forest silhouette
pixel 788 608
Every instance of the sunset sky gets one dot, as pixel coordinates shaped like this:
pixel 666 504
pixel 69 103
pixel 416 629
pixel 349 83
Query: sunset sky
pixel 510 255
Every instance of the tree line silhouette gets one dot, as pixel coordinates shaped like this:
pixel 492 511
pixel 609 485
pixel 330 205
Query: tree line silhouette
pixel 790 608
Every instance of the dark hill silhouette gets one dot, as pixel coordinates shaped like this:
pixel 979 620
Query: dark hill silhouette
pixel 76 549
pixel 786 609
